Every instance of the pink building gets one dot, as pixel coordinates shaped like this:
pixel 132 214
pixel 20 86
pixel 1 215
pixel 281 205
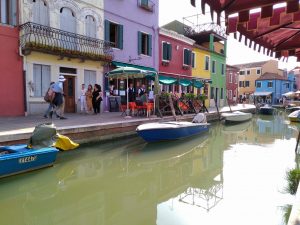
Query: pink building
pixel 175 61
pixel 232 80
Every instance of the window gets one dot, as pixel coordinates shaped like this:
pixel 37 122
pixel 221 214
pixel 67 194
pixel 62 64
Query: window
pixel 8 12
pixel 40 12
pixel 213 66
pixel 146 4
pixel 270 84
pixel 258 71
pixel 222 93
pixel 258 84
pixel 230 94
pixel 241 84
pixel 235 78
pixel 89 77
pixel 248 72
pixel 287 85
pixel 166 51
pixel 247 83
pixel 242 72
pixel 114 34
pixel 67 20
pixel 187 57
pixel 222 68
pixel 212 96
pixel 41 79
pixel 206 66
pixel 90 27
pixel 144 44
pixel 193 59
pixel 230 77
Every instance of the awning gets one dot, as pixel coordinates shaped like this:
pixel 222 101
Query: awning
pixel 289 94
pixel 198 84
pixel 167 80
pixel 272 29
pixel 262 93
pixel 185 82
pixel 145 68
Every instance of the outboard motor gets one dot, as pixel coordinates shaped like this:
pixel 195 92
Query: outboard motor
pixel 199 118
pixel 44 135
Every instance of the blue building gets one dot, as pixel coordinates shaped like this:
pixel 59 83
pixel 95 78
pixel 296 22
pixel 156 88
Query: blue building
pixel 270 87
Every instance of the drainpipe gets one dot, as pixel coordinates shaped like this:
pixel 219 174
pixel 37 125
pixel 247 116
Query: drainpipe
pixel 24 80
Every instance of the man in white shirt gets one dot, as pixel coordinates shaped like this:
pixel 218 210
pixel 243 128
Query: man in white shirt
pixel 82 99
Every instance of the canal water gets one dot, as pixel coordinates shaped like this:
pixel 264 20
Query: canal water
pixel 232 175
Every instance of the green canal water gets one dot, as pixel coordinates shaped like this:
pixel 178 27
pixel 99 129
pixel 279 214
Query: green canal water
pixel 232 175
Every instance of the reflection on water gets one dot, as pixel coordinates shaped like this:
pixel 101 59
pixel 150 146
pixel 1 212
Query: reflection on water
pixel 233 171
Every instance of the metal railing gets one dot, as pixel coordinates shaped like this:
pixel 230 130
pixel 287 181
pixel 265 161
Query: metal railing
pixel 36 37
pixel 206 27
pixel 146 4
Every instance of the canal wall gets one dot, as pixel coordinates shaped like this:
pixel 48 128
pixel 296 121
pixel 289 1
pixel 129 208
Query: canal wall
pixel 96 132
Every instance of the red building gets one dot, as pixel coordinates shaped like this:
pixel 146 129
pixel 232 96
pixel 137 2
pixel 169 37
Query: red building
pixel 232 76
pixel 11 71
pixel 175 61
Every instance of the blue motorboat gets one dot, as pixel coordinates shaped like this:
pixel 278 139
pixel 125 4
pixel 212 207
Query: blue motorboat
pixel 165 131
pixel 15 159
pixel 266 110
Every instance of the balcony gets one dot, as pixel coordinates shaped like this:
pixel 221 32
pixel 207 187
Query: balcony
pixel 146 4
pixel 36 37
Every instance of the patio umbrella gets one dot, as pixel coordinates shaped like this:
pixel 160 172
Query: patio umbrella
pixel 131 72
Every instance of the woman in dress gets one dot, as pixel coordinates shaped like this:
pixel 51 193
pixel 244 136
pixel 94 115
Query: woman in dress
pixel 89 97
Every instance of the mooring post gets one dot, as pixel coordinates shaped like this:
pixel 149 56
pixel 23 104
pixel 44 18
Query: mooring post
pixel 296 149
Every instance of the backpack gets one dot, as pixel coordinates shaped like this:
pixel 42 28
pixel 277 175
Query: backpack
pixel 49 96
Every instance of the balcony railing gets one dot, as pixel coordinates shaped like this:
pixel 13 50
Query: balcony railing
pixel 146 4
pixel 36 37
pixel 206 27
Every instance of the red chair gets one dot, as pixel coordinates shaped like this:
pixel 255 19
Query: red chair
pixel 132 107
pixel 150 107
pixel 123 109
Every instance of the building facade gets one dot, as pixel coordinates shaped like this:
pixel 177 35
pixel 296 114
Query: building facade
pixel 11 65
pixel 270 87
pixel 175 61
pixel 132 28
pixel 62 37
pixel 232 79
pixel 250 72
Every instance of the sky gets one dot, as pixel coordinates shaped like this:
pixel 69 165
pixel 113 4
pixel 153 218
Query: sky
pixel 237 53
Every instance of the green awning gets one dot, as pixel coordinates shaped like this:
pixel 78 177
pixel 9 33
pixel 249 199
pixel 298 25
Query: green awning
pixel 198 84
pixel 167 80
pixel 185 82
pixel 145 68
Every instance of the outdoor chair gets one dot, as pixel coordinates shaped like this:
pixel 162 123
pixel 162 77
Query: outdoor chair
pixel 123 108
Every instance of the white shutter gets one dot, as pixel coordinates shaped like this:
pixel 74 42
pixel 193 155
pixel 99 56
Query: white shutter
pixel 45 78
pixel 89 77
pixel 67 20
pixel 37 80
pixel 3 13
pixel 40 12
pixel 90 27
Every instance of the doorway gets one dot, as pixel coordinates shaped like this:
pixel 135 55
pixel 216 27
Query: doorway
pixel 69 91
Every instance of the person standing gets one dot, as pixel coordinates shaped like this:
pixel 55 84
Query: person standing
pixel 97 98
pixel 58 100
pixel 89 97
pixel 82 99
pixel 50 107
pixel 131 93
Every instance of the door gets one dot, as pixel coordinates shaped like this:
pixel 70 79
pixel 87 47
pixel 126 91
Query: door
pixel 69 91
pixel 217 96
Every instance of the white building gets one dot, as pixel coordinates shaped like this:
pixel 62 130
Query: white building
pixel 62 37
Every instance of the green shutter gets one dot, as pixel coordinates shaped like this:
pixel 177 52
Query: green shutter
pixel 120 36
pixel 150 45
pixel 193 60
pixel 106 29
pixel 165 51
pixel 139 42
pixel 170 51
pixel 184 57
pixel 189 55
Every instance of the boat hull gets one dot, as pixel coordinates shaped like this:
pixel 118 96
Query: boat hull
pixel 266 111
pixel 19 159
pixel 236 117
pixel 166 134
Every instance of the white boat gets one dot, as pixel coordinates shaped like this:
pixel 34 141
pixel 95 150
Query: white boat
pixel 294 116
pixel 236 117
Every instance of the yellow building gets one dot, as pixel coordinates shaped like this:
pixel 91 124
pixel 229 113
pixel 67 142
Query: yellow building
pixel 62 38
pixel 201 68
